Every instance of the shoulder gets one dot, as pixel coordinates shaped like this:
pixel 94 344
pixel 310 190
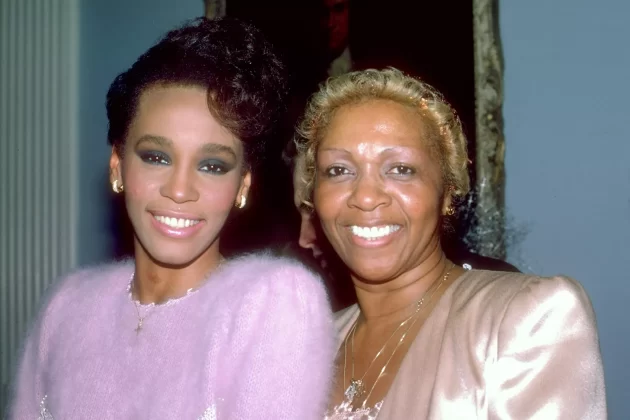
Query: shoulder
pixel 263 276
pixel 500 289
pixel 273 301
pixel 539 334
pixel 491 298
pixel 90 281
pixel 265 268
pixel 464 257
pixel 78 289
pixel 260 264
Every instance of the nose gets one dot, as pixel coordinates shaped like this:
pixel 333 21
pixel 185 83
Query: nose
pixel 180 186
pixel 369 193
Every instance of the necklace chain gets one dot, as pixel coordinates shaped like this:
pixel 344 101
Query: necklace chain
pixel 152 305
pixel 136 304
pixel 358 383
pixel 357 386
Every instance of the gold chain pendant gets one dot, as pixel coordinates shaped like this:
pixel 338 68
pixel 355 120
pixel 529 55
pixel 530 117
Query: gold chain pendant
pixel 356 389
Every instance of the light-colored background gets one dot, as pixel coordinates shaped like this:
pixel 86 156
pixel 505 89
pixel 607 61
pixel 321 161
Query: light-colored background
pixel 568 142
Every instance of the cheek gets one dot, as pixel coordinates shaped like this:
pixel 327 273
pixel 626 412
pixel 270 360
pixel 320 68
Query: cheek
pixel 219 194
pixel 420 202
pixel 327 199
pixel 142 188
pixel 139 185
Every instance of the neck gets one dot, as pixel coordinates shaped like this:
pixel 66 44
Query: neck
pixel 395 299
pixel 156 283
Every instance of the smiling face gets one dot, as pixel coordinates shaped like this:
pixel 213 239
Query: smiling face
pixel 182 173
pixel 379 189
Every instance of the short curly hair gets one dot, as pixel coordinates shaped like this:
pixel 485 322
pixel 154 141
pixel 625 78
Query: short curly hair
pixel 245 79
pixel 443 125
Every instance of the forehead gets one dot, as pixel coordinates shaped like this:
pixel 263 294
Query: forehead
pixel 181 114
pixel 375 122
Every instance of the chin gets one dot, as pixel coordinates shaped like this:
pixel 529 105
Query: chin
pixel 372 273
pixel 172 259
pixel 173 255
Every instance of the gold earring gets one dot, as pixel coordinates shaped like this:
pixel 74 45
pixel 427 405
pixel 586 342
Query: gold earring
pixel 117 188
pixel 242 203
pixel 450 210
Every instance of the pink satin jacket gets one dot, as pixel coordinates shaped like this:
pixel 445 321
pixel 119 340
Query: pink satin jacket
pixel 500 346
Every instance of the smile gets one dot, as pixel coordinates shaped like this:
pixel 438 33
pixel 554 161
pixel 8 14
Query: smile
pixel 374 232
pixel 176 223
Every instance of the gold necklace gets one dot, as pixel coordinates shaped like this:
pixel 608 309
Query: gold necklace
pixel 357 386
pixel 136 304
pixel 169 302
pixel 142 318
pixel 152 305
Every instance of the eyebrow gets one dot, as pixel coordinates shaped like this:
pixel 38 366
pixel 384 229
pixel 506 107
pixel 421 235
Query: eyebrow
pixel 334 149
pixel 157 140
pixel 210 148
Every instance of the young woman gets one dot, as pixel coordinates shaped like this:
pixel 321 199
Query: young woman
pixel 178 332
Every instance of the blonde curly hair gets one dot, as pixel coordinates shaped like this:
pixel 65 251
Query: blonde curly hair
pixel 442 123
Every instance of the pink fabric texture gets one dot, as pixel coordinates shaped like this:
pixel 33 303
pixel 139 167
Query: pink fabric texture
pixel 256 341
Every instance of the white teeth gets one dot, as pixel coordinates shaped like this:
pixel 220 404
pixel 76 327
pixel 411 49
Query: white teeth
pixel 176 223
pixel 374 232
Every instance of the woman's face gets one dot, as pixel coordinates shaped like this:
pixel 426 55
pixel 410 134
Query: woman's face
pixel 378 189
pixel 182 172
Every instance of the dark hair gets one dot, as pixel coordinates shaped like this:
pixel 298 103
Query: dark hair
pixel 245 79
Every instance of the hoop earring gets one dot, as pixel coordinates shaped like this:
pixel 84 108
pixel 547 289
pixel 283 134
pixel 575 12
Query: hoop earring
pixel 116 187
pixel 242 203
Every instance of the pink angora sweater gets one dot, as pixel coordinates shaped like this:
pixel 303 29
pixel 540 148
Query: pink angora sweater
pixel 256 341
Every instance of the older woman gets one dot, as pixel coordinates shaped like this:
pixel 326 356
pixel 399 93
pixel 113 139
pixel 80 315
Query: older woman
pixel 386 162
pixel 180 333
pixel 333 270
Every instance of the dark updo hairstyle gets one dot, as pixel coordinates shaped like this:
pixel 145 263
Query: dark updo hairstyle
pixel 245 79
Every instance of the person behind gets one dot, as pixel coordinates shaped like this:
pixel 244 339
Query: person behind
pixel 386 162
pixel 178 332
pixel 335 24
pixel 311 247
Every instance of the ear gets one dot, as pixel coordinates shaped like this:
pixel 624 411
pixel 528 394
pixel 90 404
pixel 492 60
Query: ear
pixel 246 183
pixel 115 173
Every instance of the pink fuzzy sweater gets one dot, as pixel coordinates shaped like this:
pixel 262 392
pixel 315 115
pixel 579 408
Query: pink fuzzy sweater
pixel 256 341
